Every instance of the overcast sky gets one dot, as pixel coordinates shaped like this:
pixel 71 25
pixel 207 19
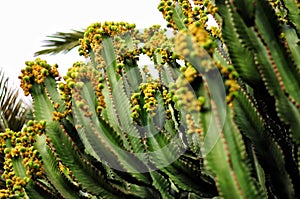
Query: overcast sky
pixel 25 24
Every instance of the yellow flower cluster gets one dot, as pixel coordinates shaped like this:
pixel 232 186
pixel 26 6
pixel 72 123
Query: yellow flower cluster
pixel 278 7
pixel 157 43
pixel 187 11
pixel 71 81
pixel 132 55
pixel 195 46
pixel 192 128
pixel 166 56
pixel 184 96
pixel 206 6
pixel 146 96
pixel 136 109
pixel 166 8
pixel 100 96
pixel 76 78
pixel 65 96
pixel 95 33
pixel 183 44
pixel 149 90
pixel 231 75
pixel 20 144
pixel 193 13
pixel 201 38
pixel 36 72
pixel 190 73
pixel 215 31
pixel 167 96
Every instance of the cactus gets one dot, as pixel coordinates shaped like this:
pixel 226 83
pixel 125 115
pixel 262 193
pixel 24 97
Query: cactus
pixel 223 122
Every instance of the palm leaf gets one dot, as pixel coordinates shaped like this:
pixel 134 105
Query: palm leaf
pixel 13 110
pixel 61 42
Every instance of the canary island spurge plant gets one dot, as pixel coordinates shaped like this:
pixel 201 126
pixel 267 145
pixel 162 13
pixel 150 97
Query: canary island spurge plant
pixel 222 122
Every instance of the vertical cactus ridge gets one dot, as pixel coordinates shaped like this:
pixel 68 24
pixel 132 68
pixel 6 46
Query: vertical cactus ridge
pixel 244 64
pixel 60 182
pixel 226 176
pixel 282 60
pixel 264 144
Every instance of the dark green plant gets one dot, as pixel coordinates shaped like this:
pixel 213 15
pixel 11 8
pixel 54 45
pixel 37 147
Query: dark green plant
pixel 223 122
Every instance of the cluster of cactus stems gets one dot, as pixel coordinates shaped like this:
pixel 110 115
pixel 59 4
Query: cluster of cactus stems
pixel 222 119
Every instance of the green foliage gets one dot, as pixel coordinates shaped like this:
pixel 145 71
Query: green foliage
pixel 220 120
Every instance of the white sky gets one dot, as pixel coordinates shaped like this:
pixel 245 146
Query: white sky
pixel 25 24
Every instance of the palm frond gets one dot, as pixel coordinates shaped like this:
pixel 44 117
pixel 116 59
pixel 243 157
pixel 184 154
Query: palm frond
pixel 61 42
pixel 13 110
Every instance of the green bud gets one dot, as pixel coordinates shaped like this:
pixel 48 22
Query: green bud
pixel 186 21
pixel 30 123
pixel 201 100
pixel 197 24
pixel 185 6
pixel 137 107
pixel 26 78
pixel 120 65
pixel 97 37
pixel 22 149
pixel 182 68
pixel 91 30
pixel 170 12
pixel 24 138
pixel 101 86
pixel 63 97
pixel 71 84
pixel 197 8
pixel 168 18
pixel 7 150
pixel 28 68
pixel 161 4
pixel 235 74
pixel 26 179
pixel 169 25
pixel 16 188
pixel 61 86
pixel 74 75
pixel 81 53
pixel 8 182
pixel 230 68
pixel 43 123
pixel 134 115
pixel 235 94
pixel 29 63
pixel 88 41
pixel 36 166
pixel 161 9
